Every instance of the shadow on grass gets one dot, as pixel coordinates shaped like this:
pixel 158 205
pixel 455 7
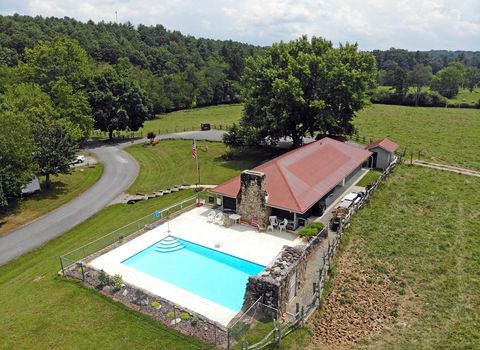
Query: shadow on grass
pixel 248 158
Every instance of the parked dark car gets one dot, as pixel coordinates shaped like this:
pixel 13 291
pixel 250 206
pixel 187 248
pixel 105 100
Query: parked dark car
pixel 205 126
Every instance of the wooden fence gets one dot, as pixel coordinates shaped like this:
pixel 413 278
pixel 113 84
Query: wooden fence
pixel 303 312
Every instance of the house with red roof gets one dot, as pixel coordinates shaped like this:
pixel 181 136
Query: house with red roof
pixel 383 153
pixel 294 185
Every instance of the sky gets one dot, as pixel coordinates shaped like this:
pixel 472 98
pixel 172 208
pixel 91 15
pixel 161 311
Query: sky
pixel 373 24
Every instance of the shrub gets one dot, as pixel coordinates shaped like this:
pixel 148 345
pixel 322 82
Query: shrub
pixel 151 135
pixel 308 232
pixel 103 278
pixel 425 98
pixel 170 315
pixel 184 316
pixel 117 282
pixel 311 230
pixel 155 304
pixel 318 225
pixel 194 321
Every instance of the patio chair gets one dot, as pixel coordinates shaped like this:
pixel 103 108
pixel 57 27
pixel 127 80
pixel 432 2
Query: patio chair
pixel 211 215
pixel 218 219
pixel 273 223
pixel 283 225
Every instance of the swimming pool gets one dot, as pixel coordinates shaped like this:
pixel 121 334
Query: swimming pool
pixel 211 274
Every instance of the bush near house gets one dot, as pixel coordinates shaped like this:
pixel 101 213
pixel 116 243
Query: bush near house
pixel 311 230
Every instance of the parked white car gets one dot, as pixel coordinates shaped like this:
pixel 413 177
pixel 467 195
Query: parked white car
pixel 78 160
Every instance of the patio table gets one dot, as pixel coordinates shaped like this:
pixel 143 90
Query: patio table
pixel 235 218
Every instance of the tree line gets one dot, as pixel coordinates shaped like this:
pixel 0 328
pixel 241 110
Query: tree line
pixel 61 78
pixel 444 72
pixel 176 71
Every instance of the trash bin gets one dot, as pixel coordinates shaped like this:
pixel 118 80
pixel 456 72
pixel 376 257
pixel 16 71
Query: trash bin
pixel 205 126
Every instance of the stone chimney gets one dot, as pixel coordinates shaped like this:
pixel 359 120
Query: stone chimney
pixel 252 197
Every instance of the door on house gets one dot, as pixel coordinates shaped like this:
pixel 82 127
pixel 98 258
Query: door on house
pixel 372 161
pixel 292 287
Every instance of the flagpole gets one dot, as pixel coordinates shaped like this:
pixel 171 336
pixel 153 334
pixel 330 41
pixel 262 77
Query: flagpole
pixel 196 160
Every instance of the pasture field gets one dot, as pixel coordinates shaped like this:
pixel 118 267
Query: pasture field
pixel 413 250
pixel 440 134
pixel 190 119
pixel 445 135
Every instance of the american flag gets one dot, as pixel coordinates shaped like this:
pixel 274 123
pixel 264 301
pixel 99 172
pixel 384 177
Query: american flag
pixel 194 150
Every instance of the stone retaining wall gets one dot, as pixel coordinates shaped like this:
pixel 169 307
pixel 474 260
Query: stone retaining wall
pixel 273 283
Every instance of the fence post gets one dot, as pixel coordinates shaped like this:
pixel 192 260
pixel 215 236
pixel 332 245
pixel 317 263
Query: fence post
pixel 228 338
pixel 83 271
pixel 63 270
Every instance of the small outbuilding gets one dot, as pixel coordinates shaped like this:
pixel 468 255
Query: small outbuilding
pixel 383 153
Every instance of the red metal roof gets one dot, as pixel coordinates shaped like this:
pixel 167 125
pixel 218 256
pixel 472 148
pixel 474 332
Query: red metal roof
pixel 298 179
pixel 386 144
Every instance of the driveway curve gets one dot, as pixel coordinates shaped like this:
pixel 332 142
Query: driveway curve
pixel 120 170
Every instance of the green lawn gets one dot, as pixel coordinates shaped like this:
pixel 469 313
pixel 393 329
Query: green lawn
pixel 190 119
pixel 42 311
pixel 442 134
pixel 369 178
pixel 170 163
pixel 64 188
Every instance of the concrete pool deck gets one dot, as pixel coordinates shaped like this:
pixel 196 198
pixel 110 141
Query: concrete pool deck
pixel 238 240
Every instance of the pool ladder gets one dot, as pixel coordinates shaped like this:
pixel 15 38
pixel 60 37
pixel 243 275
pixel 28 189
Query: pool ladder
pixel 169 244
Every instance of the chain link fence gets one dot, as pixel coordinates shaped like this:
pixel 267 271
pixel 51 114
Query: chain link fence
pixel 117 236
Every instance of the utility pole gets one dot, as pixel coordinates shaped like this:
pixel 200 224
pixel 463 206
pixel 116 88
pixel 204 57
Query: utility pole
pixel 116 17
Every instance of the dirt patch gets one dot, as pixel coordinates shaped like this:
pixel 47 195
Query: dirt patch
pixel 367 298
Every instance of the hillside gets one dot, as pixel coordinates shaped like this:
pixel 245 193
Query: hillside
pixel 177 71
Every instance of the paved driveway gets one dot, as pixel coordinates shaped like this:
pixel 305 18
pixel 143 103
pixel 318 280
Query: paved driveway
pixel 120 170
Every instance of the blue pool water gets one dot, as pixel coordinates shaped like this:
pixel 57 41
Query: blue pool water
pixel 215 276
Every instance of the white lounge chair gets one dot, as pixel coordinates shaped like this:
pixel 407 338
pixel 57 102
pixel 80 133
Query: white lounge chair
pixel 218 219
pixel 283 225
pixel 211 215
pixel 273 223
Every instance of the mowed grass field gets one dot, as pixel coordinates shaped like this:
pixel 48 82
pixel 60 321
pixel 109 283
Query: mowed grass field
pixel 446 135
pixel 39 310
pixel 170 163
pixel 190 119
pixel 64 188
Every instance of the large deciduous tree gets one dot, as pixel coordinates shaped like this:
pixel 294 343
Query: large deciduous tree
pixel 117 102
pixel 448 80
pixel 55 148
pixel 16 149
pixel 54 138
pixel 303 87
pixel 62 69
pixel 419 77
